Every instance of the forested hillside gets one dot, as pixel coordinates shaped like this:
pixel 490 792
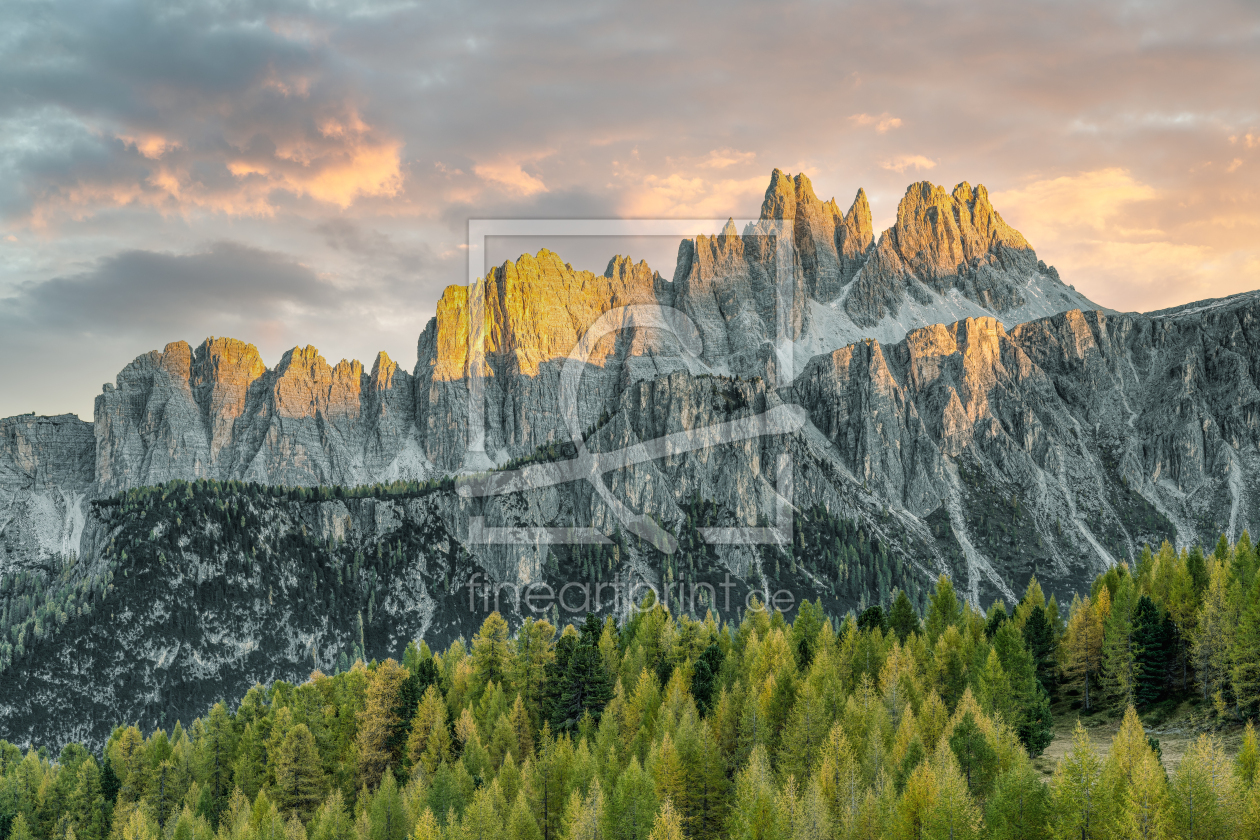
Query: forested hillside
pixel 197 590
pixel 887 725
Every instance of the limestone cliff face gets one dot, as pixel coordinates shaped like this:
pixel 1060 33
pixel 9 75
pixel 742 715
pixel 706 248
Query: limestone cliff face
pixel 515 331
pixel 805 279
pixel 46 473
pixel 41 453
pixel 218 412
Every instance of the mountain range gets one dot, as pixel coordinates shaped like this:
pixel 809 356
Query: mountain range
pixel 955 408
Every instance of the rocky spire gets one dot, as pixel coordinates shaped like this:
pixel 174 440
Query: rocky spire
pixel 855 236
pixel 938 233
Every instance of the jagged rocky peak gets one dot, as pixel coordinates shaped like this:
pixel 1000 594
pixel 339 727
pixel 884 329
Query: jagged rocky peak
pixel 939 233
pixel 531 310
pixel 831 244
pixel 219 412
pixel 516 327
pixel 954 253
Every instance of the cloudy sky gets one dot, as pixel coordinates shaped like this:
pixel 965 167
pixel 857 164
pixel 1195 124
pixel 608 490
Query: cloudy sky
pixel 291 173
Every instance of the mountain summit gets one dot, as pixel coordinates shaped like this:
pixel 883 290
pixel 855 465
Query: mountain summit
pixel 956 409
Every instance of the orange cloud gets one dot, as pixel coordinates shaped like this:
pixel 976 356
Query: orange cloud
pixel 509 174
pixel 342 160
pixel 903 162
pixel 882 123
pixel 678 195
pixel 1091 199
pixel 152 146
pixel 1102 230
pixel 722 158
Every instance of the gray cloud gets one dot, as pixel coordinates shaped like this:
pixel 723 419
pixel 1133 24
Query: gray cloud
pixel 84 327
pixel 228 281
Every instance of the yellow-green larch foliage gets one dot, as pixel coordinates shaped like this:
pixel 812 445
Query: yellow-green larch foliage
pixel 668 825
pixel 378 720
pixel 1079 796
pixel 430 741
pixel 1204 793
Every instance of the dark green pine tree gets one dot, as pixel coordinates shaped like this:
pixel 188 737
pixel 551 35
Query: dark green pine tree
pixel 556 677
pixel 1035 724
pixel 997 616
pixel 1196 565
pixel 976 757
pixel 704 677
pixel 1039 636
pixel 1150 651
pixel 586 684
pixel 902 617
pixel 873 617
pixel 109 782
pixel 805 629
pixel 409 694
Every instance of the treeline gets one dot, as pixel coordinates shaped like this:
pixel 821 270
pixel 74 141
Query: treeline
pixel 252 490
pixel 885 725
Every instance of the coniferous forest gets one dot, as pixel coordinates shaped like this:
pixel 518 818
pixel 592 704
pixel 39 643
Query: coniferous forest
pixel 886 724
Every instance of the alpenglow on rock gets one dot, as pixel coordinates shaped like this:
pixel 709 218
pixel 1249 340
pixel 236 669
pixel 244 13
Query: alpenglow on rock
pixel 963 411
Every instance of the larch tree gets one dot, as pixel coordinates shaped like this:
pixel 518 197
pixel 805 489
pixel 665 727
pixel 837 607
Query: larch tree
pixel 1143 813
pixel 482 819
pixel 632 806
pixel 378 721
pixel 1213 640
pixel 1182 604
pixel 430 742
pixel 521 824
pixel 954 815
pixel 1204 793
pixel 977 760
pixel 1118 659
pixel 1085 641
pixel 331 822
pixel 491 653
pixel 1078 794
pixel 1248 760
pixel 1019 807
pixel 917 804
pixel 944 609
pixel 668 824
pixel 386 815
pixel 584 816
pixel 757 811
pixel 300 782
pixel 1245 665
pixel 809 817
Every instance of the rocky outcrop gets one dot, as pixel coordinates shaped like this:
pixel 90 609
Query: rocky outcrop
pixel 218 412
pixel 42 453
pixel 956 247
pixel 804 280
pixel 46 473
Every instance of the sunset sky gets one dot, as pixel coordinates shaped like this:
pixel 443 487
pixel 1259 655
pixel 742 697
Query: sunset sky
pixel 302 173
